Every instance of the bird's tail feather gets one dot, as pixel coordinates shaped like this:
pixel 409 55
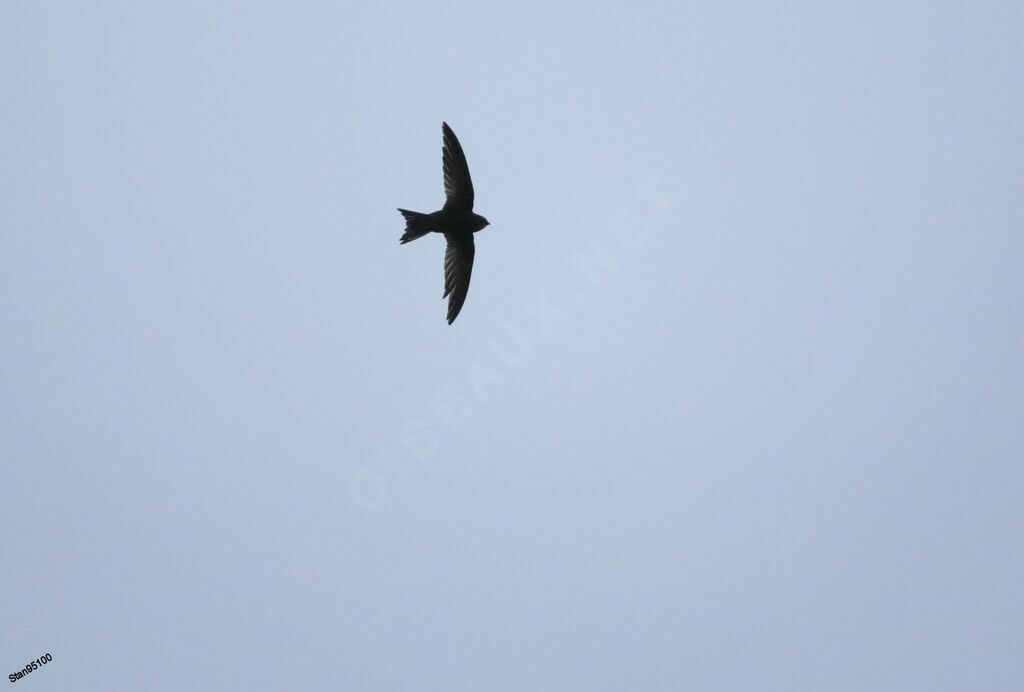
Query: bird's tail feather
pixel 416 225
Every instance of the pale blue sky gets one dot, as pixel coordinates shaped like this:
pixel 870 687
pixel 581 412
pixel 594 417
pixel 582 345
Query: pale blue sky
pixel 734 403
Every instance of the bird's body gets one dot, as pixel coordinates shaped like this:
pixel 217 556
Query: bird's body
pixel 444 221
pixel 455 220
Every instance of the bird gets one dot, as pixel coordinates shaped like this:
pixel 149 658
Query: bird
pixel 455 220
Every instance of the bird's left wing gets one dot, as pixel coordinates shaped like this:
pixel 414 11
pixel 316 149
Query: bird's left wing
pixel 458 186
pixel 458 267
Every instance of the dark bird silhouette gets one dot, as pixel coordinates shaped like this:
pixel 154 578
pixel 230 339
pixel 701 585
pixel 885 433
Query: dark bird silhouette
pixel 455 219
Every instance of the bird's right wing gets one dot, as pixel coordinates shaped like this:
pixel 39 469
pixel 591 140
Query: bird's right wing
pixel 458 267
pixel 458 186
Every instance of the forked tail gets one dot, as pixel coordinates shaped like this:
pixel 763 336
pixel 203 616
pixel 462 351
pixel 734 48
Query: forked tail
pixel 416 225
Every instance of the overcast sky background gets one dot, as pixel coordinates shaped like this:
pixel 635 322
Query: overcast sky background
pixel 735 401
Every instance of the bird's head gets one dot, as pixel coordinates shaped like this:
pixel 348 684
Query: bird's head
pixel 483 223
